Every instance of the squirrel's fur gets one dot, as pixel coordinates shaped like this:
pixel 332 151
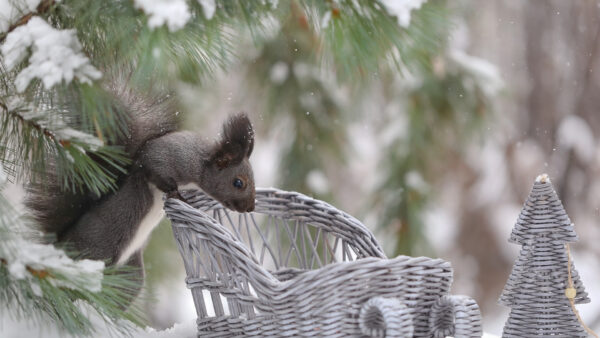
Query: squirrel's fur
pixel 113 227
pixel 54 208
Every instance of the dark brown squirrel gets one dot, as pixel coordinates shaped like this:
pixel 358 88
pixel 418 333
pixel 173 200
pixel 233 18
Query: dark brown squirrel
pixel 115 226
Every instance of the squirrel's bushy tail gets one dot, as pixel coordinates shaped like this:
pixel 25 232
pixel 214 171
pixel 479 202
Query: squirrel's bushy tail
pixel 54 208
pixel 149 115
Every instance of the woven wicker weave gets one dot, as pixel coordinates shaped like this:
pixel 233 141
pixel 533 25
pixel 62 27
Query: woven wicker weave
pixel 298 267
pixel 535 290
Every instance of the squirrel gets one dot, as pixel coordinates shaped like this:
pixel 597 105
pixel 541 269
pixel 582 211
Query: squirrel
pixel 115 226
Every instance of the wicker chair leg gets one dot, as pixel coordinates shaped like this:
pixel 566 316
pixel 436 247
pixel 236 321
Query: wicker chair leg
pixel 385 317
pixel 456 316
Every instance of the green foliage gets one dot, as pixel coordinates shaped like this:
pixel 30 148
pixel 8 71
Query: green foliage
pixel 442 112
pixel 363 40
pixel 360 39
pixel 357 43
pixel 55 307
pixel 304 97
pixel 332 66
pixel 41 296
pixel 39 129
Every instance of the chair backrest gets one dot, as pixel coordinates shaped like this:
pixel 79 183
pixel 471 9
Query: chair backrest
pixel 220 269
pixel 236 257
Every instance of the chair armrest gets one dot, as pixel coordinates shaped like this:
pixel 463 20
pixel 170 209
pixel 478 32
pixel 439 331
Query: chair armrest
pixel 295 206
pixel 457 316
pixel 291 205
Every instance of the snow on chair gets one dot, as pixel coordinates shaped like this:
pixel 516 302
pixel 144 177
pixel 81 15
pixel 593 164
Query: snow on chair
pixel 298 267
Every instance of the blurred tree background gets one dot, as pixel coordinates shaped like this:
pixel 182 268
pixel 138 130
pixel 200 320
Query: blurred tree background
pixel 429 125
pixel 438 157
pixel 373 138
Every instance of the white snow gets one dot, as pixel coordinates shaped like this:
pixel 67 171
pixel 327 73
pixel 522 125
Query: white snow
pixel 366 149
pixel 279 72
pixel 173 301
pixel 317 181
pixel 55 55
pixel 3 177
pixel 586 263
pixel 263 161
pixel 174 13
pixel 66 133
pixel 27 259
pixel 485 73
pixel 273 3
pixel 528 160
pixel 325 20
pixel 415 181
pixel 502 220
pixel 180 330
pixel 12 10
pixel 208 7
pixel 489 162
pixel 10 328
pixel 575 133
pixel 440 227
pixel 55 125
pixel 25 254
pixel 401 9
pixel 397 123
pixel 487 335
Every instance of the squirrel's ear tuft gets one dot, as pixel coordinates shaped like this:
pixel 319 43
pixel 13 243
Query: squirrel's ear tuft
pixel 237 141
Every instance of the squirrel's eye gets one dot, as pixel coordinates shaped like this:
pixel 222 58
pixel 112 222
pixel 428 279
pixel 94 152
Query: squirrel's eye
pixel 238 183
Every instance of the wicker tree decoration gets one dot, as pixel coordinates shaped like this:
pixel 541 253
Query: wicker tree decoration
pixel 540 283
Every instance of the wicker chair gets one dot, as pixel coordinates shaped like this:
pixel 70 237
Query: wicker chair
pixel 298 267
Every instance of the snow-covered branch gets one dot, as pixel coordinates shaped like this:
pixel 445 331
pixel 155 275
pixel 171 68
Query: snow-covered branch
pixel 40 284
pixel 174 13
pixel 208 7
pixel 53 128
pixel 55 55
pixel 28 260
pixel 401 9
pixel 33 261
pixel 15 13
pixel 3 176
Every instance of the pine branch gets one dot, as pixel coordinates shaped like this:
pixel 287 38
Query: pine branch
pixel 323 45
pixel 34 139
pixel 39 273
pixel 48 133
pixel 455 97
pixel 38 283
pixel 42 8
pixel 296 86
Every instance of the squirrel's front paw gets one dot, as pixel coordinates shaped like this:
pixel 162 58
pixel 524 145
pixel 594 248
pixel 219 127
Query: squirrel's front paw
pixel 176 194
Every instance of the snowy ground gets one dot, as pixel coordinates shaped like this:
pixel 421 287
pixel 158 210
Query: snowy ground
pixel 11 329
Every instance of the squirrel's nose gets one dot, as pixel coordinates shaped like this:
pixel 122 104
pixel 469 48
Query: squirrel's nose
pixel 242 205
